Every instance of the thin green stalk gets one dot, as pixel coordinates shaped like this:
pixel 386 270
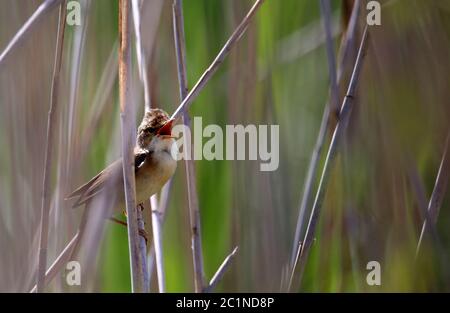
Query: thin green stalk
pixel 437 196
pixel 221 271
pixel 206 76
pixel 324 125
pixel 345 112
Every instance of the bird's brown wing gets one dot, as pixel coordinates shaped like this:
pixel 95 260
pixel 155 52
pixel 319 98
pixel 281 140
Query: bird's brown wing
pixel 90 189
pixel 105 177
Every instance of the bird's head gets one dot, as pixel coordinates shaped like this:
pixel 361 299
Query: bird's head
pixel 155 124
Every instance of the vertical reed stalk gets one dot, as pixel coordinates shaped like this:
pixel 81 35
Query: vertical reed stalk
pixel 143 249
pixel 325 10
pixel 157 220
pixel 51 124
pixel 79 42
pixel 158 217
pixel 126 122
pixel 194 210
pixel 157 212
pixel 140 56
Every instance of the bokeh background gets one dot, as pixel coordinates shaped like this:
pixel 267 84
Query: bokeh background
pixel 277 74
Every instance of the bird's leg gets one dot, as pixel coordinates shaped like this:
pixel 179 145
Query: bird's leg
pixel 142 232
pixel 116 220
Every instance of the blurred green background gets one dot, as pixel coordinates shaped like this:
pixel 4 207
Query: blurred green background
pixel 277 74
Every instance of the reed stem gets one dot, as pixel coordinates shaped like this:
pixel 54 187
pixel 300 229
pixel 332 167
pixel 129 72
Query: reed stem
pixel 126 122
pixel 194 210
pixel 206 76
pixel 51 126
pixel 345 112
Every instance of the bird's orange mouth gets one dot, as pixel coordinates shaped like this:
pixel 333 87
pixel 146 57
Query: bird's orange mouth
pixel 166 129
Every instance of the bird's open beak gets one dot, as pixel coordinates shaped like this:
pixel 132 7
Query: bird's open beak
pixel 166 129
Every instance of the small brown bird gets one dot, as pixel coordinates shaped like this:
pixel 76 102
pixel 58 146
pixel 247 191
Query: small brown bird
pixel 154 165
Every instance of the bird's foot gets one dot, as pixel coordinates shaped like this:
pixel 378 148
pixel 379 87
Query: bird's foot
pixel 143 233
